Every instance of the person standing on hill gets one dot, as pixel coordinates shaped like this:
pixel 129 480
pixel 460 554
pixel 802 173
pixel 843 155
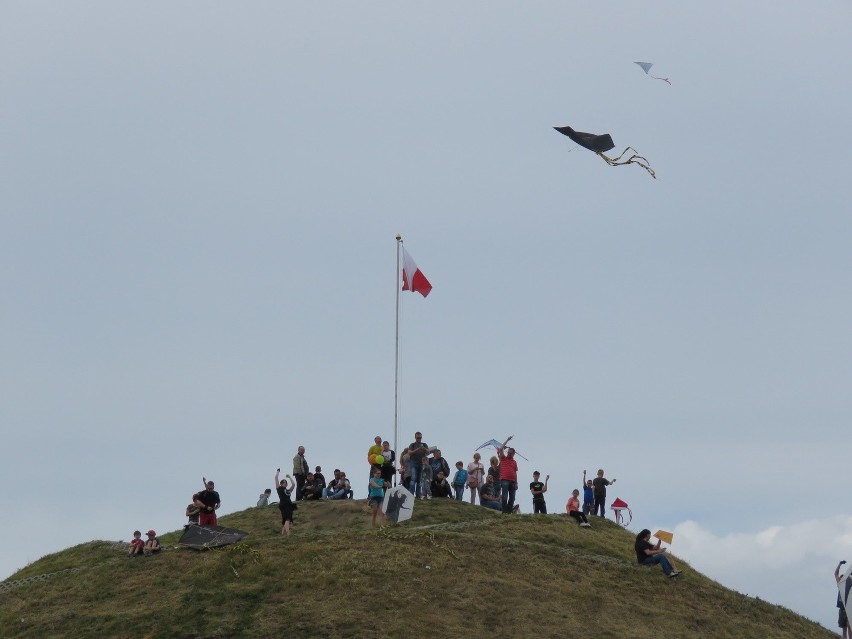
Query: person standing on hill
pixel 599 485
pixel 417 451
pixel 209 502
pixel 842 619
pixel 459 480
pixel 285 504
pixel 538 489
pixel 376 496
pixel 300 471
pixel 372 452
pixel 388 465
pixel 475 476
pixel 588 495
pixel 508 476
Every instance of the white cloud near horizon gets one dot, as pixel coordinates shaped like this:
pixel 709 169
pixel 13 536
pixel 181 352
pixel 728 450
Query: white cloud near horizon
pixel 780 563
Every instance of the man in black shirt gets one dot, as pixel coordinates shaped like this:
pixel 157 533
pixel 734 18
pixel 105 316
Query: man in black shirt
pixel 208 501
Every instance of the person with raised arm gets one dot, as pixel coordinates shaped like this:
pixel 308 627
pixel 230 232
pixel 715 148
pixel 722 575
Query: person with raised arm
pixel 285 503
pixel 508 476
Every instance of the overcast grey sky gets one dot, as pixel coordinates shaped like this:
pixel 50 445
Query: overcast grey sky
pixel 199 202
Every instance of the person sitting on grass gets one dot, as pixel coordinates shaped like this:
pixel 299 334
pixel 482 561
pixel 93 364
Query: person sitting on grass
pixel 376 496
pixel 489 494
pixel 152 545
pixel 263 499
pixel 573 509
pixel 648 555
pixel 314 486
pixel 331 487
pixel 136 544
pixel 441 487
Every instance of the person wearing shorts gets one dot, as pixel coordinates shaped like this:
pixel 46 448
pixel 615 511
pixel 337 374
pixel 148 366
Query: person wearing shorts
pixel 376 496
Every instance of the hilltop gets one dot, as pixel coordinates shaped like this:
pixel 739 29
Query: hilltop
pixel 454 570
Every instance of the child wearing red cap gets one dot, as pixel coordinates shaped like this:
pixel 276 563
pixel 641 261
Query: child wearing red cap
pixel 152 545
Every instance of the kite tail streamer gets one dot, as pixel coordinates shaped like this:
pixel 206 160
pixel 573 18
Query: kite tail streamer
pixel 659 78
pixel 633 159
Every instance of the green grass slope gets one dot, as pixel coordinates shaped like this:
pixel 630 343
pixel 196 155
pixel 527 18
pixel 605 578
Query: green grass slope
pixel 452 571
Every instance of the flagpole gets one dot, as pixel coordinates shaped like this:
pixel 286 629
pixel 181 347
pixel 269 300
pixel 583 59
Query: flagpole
pixel 396 359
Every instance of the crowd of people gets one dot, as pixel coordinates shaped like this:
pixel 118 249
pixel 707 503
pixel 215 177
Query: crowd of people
pixel 425 472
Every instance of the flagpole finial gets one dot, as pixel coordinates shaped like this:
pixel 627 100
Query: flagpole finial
pixel 398 237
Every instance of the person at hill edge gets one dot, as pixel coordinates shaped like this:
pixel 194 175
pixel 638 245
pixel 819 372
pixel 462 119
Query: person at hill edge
pixel 475 476
pixel 599 484
pixel 573 509
pixel 508 476
pixel 152 544
pixel 538 489
pixel 285 503
pixel 136 544
pixel 376 496
pixel 648 555
pixel 489 494
pixel 588 495
pixel 300 471
pixel 263 498
pixel 417 451
pixel 459 480
pixel 842 619
pixel 209 502
pixel 193 512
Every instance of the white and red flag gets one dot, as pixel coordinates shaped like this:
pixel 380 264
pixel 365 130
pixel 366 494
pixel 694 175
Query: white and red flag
pixel 412 277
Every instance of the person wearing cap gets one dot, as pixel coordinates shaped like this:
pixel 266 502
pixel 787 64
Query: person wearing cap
pixel 208 501
pixel 538 489
pixel 508 476
pixel 152 545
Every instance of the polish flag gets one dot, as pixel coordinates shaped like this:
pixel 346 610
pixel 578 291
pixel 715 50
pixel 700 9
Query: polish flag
pixel 412 277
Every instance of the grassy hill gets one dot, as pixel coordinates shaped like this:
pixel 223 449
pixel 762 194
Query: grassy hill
pixel 452 571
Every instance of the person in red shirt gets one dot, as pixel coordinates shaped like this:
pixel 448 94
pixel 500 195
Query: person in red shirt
pixel 508 476
pixel 136 545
